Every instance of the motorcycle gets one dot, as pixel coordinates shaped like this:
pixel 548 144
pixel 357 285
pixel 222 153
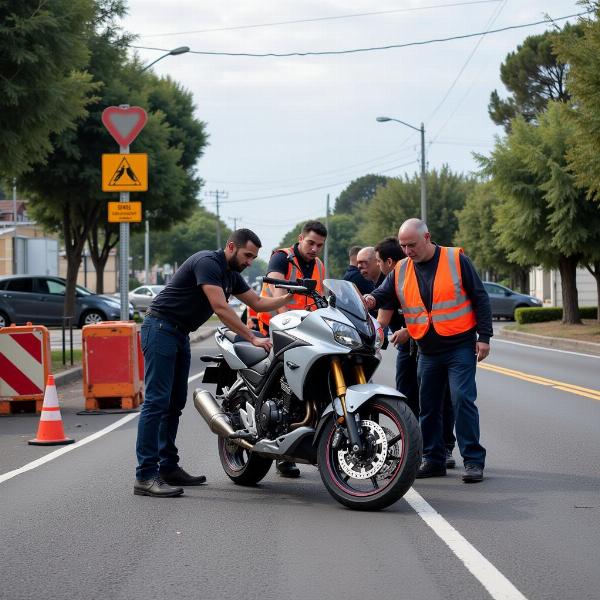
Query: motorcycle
pixel 309 400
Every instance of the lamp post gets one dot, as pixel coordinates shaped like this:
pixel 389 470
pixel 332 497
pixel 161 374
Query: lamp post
pixel 174 52
pixel 423 182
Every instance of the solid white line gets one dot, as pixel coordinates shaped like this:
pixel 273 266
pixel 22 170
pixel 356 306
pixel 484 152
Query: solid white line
pixel 497 585
pixel 547 349
pixel 90 438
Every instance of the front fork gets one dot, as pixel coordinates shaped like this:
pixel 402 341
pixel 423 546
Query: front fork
pixel 340 390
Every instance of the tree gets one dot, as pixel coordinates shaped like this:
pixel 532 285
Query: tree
pixel 546 217
pixel 359 192
pixel 534 76
pixel 43 88
pixel 400 200
pixel 476 235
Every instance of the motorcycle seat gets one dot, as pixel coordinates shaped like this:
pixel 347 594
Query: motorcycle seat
pixel 246 352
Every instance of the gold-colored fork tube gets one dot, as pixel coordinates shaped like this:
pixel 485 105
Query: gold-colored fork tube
pixel 360 374
pixel 340 382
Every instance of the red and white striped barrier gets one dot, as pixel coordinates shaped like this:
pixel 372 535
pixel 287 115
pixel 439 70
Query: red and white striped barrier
pixel 25 363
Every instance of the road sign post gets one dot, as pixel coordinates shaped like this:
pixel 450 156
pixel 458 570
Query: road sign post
pixel 124 123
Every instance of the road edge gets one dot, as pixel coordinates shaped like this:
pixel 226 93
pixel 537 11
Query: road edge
pixel 549 342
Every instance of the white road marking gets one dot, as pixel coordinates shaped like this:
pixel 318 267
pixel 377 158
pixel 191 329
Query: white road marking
pixel 90 438
pixel 497 585
pixel 544 348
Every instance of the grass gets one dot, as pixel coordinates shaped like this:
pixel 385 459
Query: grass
pixel 57 358
pixel 589 331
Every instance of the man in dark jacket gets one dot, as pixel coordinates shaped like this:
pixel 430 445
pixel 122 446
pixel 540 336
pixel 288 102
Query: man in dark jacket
pixel 353 274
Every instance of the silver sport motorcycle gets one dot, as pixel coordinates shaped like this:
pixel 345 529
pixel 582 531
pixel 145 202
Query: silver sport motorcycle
pixel 309 400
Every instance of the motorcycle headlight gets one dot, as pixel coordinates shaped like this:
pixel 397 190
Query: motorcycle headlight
pixel 344 334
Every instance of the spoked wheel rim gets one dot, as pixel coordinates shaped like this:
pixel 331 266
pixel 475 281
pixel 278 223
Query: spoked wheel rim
pixel 92 319
pixel 372 472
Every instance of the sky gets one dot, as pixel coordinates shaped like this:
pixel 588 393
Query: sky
pixel 286 131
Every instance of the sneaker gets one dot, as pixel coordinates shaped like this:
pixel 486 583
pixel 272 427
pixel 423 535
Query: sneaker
pixel 473 473
pixel 430 469
pixel 450 462
pixel 178 476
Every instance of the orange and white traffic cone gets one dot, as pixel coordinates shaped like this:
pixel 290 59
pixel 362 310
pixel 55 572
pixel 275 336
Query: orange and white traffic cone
pixel 50 431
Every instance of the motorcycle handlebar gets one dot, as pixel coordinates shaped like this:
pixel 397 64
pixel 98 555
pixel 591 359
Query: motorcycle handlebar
pixel 308 285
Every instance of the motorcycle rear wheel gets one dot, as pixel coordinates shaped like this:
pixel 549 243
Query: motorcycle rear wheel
pixel 348 478
pixel 240 465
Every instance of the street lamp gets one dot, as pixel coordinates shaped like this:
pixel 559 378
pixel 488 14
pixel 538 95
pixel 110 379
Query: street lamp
pixel 174 52
pixel 423 182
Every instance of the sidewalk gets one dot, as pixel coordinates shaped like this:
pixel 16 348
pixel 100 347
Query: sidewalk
pixel 548 342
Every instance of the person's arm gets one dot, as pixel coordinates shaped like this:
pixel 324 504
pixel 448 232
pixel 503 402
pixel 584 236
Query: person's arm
pixel 481 305
pixel 221 308
pixel 384 296
pixel 384 316
pixel 261 304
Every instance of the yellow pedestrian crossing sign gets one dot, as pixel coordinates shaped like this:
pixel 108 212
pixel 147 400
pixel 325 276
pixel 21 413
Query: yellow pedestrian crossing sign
pixel 124 172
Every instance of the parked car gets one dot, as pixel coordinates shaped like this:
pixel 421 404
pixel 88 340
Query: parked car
pixel 40 299
pixel 505 301
pixel 142 297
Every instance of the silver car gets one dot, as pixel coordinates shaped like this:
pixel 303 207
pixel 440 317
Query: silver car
pixel 142 297
pixel 505 301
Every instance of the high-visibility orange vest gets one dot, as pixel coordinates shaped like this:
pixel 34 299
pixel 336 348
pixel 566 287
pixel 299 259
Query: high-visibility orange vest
pixel 299 302
pixel 451 310
pixel 252 319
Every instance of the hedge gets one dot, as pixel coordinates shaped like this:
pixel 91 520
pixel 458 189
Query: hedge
pixel 542 314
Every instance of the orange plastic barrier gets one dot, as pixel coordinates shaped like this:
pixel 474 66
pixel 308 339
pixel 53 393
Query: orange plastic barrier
pixel 111 365
pixel 25 363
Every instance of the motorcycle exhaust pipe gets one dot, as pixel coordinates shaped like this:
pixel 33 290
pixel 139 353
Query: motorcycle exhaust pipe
pixel 215 418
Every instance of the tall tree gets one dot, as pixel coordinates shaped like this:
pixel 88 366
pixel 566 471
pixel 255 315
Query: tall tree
pixel 359 192
pixel 43 88
pixel 400 200
pixel 533 76
pixel 476 235
pixel 546 217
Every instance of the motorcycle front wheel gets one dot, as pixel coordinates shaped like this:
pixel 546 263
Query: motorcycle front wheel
pixel 242 467
pixel 385 469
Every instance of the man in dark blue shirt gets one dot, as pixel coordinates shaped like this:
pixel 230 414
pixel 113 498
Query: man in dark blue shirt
pixel 353 274
pixel 442 358
pixel 200 287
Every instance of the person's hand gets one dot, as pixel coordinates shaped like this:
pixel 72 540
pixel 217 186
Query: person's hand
pixel 400 337
pixel 264 343
pixel 369 301
pixel 482 350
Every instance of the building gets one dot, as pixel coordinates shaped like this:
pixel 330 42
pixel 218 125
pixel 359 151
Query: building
pixel 546 285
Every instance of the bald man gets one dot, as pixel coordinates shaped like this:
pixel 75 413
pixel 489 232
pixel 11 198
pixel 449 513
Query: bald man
pixel 447 312
pixel 366 261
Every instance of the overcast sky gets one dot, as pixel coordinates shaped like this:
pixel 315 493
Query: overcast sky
pixel 285 126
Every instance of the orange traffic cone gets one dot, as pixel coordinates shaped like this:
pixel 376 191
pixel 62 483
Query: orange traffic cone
pixel 50 431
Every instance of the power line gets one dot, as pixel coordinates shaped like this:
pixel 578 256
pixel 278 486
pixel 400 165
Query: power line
pixel 217 195
pixel 314 189
pixel 372 48
pixel 316 19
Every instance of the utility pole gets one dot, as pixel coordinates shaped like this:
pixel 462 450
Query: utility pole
pixel 217 195
pixel 423 177
pixel 14 248
pixel 326 253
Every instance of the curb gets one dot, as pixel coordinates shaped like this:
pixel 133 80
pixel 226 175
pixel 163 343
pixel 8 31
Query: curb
pixel 550 342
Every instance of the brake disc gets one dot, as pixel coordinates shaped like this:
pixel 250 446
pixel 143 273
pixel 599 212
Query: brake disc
pixel 363 468
pixel 393 455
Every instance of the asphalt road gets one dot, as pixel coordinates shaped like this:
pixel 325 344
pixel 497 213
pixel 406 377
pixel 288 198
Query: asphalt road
pixel 71 528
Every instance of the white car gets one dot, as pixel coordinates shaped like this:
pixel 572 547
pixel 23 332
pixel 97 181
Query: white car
pixel 142 297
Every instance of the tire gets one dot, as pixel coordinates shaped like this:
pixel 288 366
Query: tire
pixel 4 320
pixel 91 317
pixel 241 466
pixel 397 473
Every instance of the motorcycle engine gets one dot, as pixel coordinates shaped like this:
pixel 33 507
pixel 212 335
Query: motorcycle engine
pixel 273 415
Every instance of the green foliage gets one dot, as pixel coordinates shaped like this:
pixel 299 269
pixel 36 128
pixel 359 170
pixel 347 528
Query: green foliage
pixel 400 199
pixel 258 268
pixel 43 88
pixel 198 232
pixel 583 55
pixel 358 193
pixel 533 76
pixel 543 314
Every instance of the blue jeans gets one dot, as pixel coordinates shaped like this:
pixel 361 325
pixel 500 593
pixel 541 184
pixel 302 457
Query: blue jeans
pixel 166 369
pixel 457 368
pixel 408 384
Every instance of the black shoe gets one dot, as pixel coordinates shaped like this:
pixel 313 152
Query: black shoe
pixel 155 487
pixel 288 469
pixel 473 473
pixel 450 462
pixel 430 469
pixel 178 476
